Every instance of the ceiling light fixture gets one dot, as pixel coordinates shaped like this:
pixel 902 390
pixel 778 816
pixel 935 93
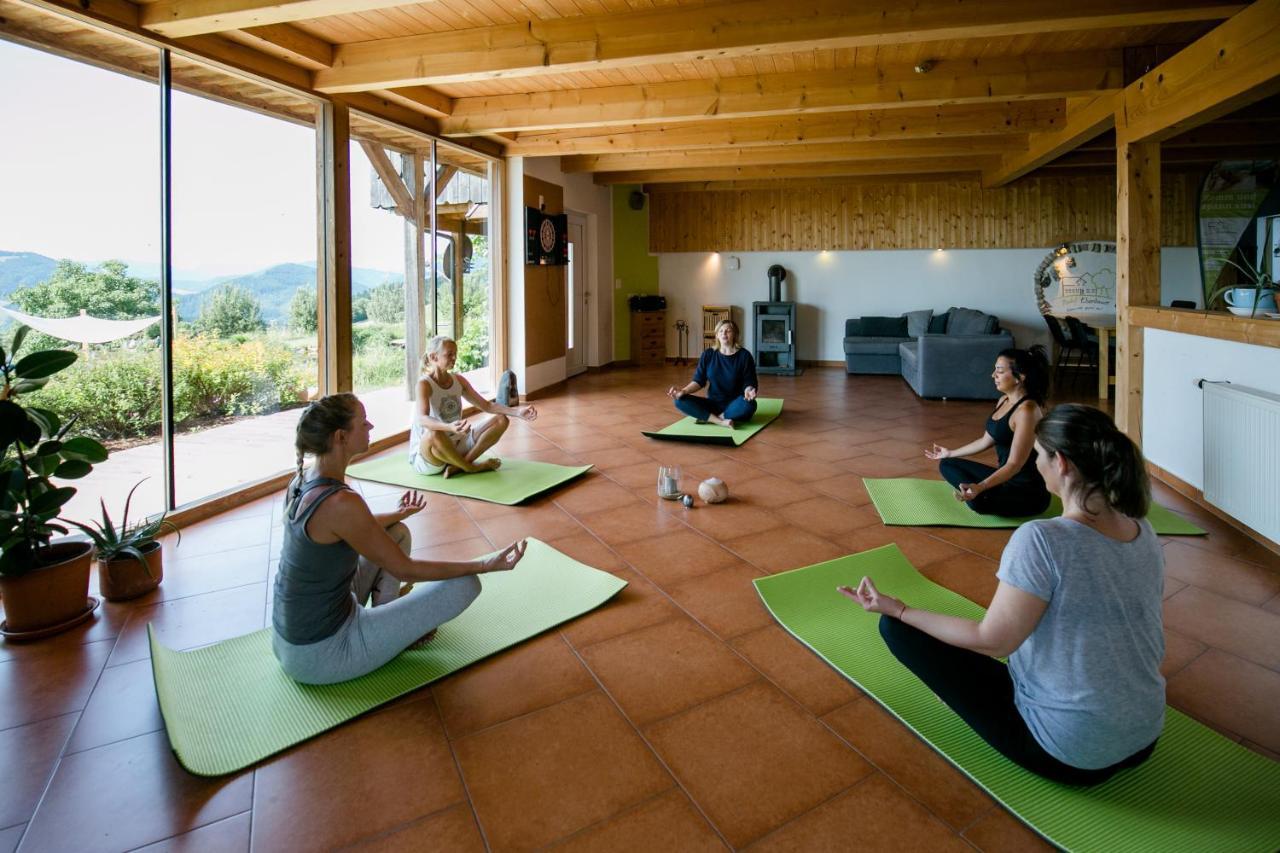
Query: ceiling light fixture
pixel 924 66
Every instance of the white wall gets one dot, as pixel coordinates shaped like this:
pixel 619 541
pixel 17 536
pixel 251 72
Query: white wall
pixel 831 287
pixel 1172 404
pixel 514 209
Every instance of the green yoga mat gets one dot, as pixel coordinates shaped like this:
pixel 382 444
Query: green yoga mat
pixel 688 429
pixel 229 705
pixel 1198 791
pixel 932 503
pixel 517 480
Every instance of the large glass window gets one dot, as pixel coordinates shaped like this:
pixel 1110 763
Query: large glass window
pixel 79 254
pixel 244 277
pixel 463 283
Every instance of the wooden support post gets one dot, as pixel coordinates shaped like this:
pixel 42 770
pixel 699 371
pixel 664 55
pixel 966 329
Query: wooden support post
pixel 415 272
pixel 1137 268
pixel 459 236
pixel 333 190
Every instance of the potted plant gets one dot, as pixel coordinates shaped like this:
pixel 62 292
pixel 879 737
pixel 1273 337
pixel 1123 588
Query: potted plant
pixel 44 584
pixel 130 560
pixel 1256 291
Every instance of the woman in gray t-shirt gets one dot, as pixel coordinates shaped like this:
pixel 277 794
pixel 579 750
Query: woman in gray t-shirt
pixel 1077 612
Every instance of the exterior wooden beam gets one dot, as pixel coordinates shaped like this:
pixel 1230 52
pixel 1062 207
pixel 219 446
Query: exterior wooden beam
pixel 795 170
pixel 333 195
pixel 818 153
pixel 1232 66
pixel 181 18
pixel 949 82
pixel 722 31
pixel 1084 122
pixel 863 125
pixel 1137 271
pixel 390 179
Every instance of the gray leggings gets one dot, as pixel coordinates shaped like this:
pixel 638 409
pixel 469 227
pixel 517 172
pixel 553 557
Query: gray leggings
pixel 371 636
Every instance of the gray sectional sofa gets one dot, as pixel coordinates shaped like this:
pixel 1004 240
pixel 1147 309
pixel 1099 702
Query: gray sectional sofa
pixel 940 355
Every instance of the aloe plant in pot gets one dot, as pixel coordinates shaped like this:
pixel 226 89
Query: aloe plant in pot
pixel 130 559
pixel 44 584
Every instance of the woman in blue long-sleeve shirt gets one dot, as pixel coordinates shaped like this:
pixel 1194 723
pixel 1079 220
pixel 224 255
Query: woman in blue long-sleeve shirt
pixel 729 372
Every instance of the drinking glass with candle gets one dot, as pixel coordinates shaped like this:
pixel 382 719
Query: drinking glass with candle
pixel 669 482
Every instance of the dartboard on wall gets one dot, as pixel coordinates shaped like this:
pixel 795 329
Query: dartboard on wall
pixel 546 238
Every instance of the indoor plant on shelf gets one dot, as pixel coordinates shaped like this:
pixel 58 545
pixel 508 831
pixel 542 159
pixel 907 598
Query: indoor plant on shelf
pixel 44 584
pixel 1255 292
pixel 130 560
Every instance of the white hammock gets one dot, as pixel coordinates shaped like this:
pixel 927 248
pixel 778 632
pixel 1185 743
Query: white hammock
pixel 83 329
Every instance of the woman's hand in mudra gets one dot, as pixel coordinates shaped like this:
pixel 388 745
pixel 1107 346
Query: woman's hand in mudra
pixel 871 600
pixel 749 394
pixel 675 393
pixel 506 559
pixel 937 452
pixel 411 502
pixel 460 427
pixel 527 413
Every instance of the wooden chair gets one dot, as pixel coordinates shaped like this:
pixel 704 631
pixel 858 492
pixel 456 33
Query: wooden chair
pixel 1065 347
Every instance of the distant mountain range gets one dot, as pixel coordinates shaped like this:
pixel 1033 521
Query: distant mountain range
pixel 273 287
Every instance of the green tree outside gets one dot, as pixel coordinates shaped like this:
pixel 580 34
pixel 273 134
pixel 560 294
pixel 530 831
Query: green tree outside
pixel 230 310
pixel 386 303
pixel 302 310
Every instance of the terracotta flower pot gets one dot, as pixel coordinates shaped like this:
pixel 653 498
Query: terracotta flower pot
pixel 124 577
pixel 51 595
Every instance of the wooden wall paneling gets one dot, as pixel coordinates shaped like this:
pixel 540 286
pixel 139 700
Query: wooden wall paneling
pixel 1032 212
pixel 546 300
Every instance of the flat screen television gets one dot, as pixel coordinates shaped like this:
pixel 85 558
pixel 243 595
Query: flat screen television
pixel 546 238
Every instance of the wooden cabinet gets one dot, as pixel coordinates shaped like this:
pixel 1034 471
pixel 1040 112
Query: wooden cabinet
pixel 648 337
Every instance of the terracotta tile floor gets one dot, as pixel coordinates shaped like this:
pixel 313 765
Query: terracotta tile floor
pixel 678 716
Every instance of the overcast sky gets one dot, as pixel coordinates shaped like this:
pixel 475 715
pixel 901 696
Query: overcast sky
pixel 79 176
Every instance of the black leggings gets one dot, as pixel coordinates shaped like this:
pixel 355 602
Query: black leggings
pixel 1012 498
pixel 980 690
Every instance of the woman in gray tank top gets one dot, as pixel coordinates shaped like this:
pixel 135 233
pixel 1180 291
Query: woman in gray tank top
pixel 1077 612
pixel 337 555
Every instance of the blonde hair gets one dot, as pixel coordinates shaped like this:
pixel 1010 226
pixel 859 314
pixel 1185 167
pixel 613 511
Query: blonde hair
pixel 737 333
pixel 434 346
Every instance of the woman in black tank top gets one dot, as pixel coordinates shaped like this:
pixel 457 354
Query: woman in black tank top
pixel 1014 488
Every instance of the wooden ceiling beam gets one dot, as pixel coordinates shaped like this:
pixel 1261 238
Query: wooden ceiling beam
pixel 950 82
pixel 864 125
pixel 420 98
pixel 1232 66
pixel 288 43
pixel 721 31
pixel 969 165
pixel 839 152
pixel 1084 122
pixel 1173 156
pixel 809 183
pixel 182 18
pixel 390 179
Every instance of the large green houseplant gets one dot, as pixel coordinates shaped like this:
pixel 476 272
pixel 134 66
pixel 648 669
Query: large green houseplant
pixel 44 584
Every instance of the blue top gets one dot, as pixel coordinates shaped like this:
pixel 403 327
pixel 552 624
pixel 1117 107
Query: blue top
pixel 726 376
pixel 1087 680
pixel 313 586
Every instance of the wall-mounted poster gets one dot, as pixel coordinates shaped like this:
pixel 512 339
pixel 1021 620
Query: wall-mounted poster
pixel 1078 279
pixel 546 238
pixel 1230 197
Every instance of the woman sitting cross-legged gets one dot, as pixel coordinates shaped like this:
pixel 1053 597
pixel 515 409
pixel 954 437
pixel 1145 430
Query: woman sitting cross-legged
pixel 729 371
pixel 441 440
pixel 1015 488
pixel 1077 612
pixel 337 555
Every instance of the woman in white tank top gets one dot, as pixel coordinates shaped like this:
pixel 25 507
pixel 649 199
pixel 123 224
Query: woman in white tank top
pixel 441 440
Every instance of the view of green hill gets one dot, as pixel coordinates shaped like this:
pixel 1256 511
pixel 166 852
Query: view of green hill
pixel 272 287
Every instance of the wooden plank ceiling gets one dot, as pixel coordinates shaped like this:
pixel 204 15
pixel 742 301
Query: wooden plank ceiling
pixel 689 91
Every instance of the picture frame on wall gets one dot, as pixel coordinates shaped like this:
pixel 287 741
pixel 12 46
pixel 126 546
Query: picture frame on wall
pixel 546 238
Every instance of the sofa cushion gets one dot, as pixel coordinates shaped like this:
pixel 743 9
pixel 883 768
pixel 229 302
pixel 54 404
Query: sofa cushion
pixel 918 322
pixel 884 327
pixel 966 321
pixel 873 346
pixel 909 353
pixel 938 325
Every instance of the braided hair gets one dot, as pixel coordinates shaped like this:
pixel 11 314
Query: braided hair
pixel 316 426
pixel 1110 464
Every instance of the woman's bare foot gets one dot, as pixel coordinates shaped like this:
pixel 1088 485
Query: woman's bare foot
pixel 424 639
pixel 449 471
pixel 489 465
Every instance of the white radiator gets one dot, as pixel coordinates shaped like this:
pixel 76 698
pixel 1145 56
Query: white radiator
pixel 1242 454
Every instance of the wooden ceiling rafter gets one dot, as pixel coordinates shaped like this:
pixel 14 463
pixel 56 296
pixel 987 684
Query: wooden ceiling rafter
pixel 948 83
pixel 718 31
pixel 971 166
pixel 183 18
pixel 1085 121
